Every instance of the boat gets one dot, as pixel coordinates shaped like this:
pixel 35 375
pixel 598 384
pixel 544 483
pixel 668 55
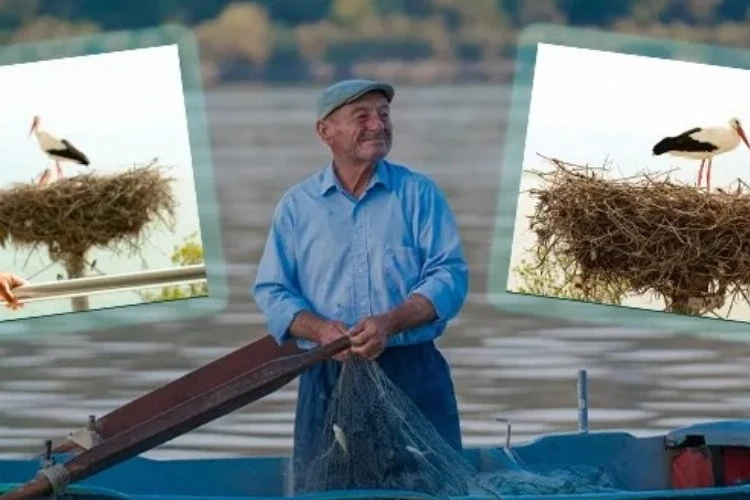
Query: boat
pixel 708 460
pixel 104 461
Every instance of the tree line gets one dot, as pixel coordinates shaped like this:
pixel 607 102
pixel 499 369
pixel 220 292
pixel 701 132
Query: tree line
pixel 417 40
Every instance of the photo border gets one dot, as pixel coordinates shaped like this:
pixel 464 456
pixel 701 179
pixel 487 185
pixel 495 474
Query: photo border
pixel 512 167
pixel 205 187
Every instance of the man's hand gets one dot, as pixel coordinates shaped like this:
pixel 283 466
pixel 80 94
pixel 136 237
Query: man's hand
pixel 8 282
pixel 330 331
pixel 370 336
pixel 309 326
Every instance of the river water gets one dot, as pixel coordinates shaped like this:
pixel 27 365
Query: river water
pixel 510 366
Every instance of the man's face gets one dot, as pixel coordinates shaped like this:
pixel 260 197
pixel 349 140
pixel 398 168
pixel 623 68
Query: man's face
pixel 361 131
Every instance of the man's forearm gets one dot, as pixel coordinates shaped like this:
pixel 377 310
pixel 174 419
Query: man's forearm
pixel 306 325
pixel 416 311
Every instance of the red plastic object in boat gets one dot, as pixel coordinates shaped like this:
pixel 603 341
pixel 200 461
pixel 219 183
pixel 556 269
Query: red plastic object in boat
pixel 736 465
pixel 692 468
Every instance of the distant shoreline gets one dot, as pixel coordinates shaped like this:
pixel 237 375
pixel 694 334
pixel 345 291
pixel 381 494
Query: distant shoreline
pixel 404 73
pixel 243 85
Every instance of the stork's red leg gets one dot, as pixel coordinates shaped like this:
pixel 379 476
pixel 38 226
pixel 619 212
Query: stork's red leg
pixel 708 175
pixel 45 176
pixel 700 172
pixel 59 170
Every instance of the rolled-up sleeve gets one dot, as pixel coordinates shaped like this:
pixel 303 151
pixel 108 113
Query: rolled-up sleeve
pixel 276 290
pixel 444 278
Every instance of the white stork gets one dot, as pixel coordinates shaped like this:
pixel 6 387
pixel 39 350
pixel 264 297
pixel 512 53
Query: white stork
pixel 58 150
pixel 703 143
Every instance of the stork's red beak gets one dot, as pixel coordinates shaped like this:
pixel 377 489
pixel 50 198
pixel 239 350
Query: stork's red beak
pixel 742 135
pixel 35 122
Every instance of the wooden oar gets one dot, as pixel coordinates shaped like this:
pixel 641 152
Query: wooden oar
pixel 198 381
pixel 215 403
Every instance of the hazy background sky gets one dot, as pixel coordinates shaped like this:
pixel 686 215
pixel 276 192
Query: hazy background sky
pixel 120 109
pixel 592 107
pixel 588 105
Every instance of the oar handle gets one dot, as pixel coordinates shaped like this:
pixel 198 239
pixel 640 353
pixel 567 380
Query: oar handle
pixel 328 350
pixel 38 487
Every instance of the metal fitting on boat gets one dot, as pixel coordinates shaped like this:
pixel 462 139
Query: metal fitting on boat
pixel 88 437
pixel 507 430
pixel 583 402
pixel 47 460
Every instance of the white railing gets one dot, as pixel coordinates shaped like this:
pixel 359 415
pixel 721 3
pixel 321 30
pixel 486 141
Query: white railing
pixel 111 283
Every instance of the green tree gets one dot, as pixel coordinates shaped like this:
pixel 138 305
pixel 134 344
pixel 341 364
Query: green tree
pixel 45 27
pixel 15 13
pixel 189 253
pixel 242 31
pixel 294 13
pixel 557 276
pixel 350 12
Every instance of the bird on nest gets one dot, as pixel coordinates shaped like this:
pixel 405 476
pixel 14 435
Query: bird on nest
pixel 58 150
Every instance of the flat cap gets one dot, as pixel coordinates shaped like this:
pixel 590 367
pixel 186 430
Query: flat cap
pixel 347 91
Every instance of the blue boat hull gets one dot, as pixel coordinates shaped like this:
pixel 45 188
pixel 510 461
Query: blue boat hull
pixel 639 466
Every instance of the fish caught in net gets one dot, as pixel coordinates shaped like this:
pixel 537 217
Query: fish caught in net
pixel 376 438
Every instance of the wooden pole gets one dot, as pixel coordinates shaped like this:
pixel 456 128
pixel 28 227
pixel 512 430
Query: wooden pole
pixel 75 265
pixel 686 295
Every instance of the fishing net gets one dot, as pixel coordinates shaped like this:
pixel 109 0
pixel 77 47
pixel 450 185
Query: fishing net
pixel 379 440
pixel 376 438
pixel 545 480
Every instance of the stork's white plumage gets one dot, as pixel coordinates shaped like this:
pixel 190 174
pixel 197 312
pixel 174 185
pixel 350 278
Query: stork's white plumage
pixel 703 143
pixel 58 150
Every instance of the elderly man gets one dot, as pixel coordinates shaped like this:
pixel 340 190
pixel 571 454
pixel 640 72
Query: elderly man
pixel 367 248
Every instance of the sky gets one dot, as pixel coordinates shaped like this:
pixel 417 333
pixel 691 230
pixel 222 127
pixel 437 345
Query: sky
pixel 591 107
pixel 120 109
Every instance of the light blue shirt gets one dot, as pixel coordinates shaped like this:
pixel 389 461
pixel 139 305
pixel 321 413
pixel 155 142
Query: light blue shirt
pixel 345 259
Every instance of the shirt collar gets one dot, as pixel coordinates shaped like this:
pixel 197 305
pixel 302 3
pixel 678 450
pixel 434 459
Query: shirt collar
pixel 329 180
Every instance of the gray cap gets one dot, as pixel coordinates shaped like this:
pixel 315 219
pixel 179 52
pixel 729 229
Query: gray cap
pixel 347 91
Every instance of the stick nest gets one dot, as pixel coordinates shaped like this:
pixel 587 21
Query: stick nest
pixel 74 214
pixel 646 234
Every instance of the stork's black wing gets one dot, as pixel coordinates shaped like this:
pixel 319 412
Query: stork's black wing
pixel 70 152
pixel 683 142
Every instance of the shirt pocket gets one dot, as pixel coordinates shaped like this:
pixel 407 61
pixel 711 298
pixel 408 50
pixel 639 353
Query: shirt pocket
pixel 402 269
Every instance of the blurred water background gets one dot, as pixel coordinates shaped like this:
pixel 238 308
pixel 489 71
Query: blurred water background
pixel 522 368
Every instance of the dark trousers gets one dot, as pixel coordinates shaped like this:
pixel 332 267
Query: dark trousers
pixel 420 371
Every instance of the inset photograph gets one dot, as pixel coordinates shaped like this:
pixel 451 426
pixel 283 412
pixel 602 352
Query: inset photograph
pixel 634 189
pixel 98 204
